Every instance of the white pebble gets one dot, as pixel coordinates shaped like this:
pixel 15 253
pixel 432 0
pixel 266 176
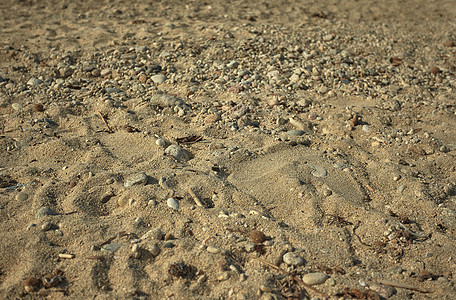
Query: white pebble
pixel 173 203
pixel 314 278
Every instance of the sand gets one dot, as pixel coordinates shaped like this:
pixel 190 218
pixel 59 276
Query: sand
pixel 319 130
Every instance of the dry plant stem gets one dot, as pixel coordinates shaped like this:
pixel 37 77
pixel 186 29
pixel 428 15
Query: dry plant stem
pixel 294 277
pixel 195 198
pixel 106 123
pixel 404 286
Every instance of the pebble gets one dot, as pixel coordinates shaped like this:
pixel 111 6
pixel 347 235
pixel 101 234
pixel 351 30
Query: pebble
pixel 293 259
pixel 46 226
pixel 44 211
pixel 173 203
pixel 314 278
pixel 366 128
pixel 223 276
pixel 177 152
pixel 21 196
pixel 384 291
pixel 114 247
pixel 154 249
pixel 139 178
pixel 213 250
pixel 296 132
pixel 105 72
pixel 110 90
pixel 159 78
pixel 232 64
pixel 155 234
pixel 257 236
pixel 319 171
pixel 34 81
pixel 160 142
pixel 168 245
pixel 16 106
pixel 249 247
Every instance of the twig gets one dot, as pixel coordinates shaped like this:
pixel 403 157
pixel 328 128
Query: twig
pixel 404 286
pixel 294 277
pixel 105 122
pixel 195 198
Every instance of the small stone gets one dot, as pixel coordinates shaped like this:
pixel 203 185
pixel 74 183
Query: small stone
pixel 110 90
pixel 158 79
pixel 328 37
pixel 168 245
pixel 139 178
pixel 448 43
pixel 223 276
pixel 135 248
pixel 155 234
pixel 314 278
pixel 22 196
pixel 366 128
pixel 319 172
pixel 331 282
pixel 232 64
pixel 38 107
pixel 173 203
pixel 257 236
pixel 66 72
pixel 312 116
pixel 384 291
pixel 96 73
pixel 265 288
pixel 160 142
pixel 114 247
pixel 177 152
pixel 16 106
pixel 249 247
pixel 46 226
pixel 293 259
pixel 434 70
pixel 213 250
pixel 105 72
pixel 444 149
pixel 296 132
pixel 154 249
pixel 44 211
pixel 34 81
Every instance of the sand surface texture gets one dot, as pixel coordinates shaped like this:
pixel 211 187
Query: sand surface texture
pixel 227 149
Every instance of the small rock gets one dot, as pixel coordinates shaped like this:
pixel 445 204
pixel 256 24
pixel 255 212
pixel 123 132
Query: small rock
pixel 173 203
pixel 66 72
pixel 16 106
pixel 384 291
pixel 223 276
pixel 160 142
pixel 293 259
pixel 257 236
pixel 314 278
pixel 319 172
pixel 154 249
pixel 44 211
pixel 34 81
pixel 155 234
pixel 105 72
pixel 448 43
pixel 21 196
pixel 177 152
pixel 46 226
pixel 213 250
pixel 139 178
pixel 232 64
pixel 111 247
pixel 434 70
pixel 249 247
pixel 366 128
pixel 158 79
pixel 168 245
pixel 110 90
pixel 296 132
